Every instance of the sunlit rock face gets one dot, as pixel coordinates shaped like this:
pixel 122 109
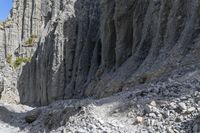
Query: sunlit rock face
pixel 96 48
pixel 24 22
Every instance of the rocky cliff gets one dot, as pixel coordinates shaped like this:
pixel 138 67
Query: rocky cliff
pixel 96 48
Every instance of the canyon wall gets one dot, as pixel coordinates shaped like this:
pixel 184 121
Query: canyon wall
pixel 19 36
pixel 99 47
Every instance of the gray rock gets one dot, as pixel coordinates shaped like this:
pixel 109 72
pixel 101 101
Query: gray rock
pixel 94 48
pixel 192 109
pixel 84 40
pixel 173 105
pixel 170 130
pixel 153 103
pixel 182 106
pixel 152 115
pixel 32 116
pixel 139 119
pixel 196 128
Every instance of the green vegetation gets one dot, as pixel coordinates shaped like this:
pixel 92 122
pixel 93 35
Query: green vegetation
pixel 33 36
pixel 1 25
pixel 9 20
pixel 18 61
pixel 6 24
pixel 21 60
pixel 9 58
pixel 30 42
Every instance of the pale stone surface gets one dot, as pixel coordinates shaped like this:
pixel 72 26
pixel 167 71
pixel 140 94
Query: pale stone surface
pixel 148 49
pixel 124 112
pixel 97 48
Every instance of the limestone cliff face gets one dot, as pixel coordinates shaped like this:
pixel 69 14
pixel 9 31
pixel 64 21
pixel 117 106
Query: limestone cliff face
pixel 24 21
pixel 62 61
pixel 99 47
pixel 19 36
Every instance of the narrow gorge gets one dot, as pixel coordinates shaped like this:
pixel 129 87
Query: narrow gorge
pixel 104 50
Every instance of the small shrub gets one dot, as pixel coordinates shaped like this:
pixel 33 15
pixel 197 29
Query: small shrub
pixel 9 58
pixel 21 60
pixel 9 20
pixel 6 24
pixel 31 40
pixel 33 36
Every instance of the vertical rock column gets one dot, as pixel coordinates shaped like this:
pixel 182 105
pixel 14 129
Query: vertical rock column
pixel 2 61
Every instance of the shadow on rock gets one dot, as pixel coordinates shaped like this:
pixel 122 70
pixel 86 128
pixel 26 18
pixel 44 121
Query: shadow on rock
pixel 12 118
pixel 193 125
pixel 40 119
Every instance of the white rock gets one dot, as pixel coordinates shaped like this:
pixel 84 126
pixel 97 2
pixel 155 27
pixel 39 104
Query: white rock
pixel 170 130
pixel 173 105
pixel 192 109
pixel 182 106
pixel 153 103
pixel 139 119
pixel 152 115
